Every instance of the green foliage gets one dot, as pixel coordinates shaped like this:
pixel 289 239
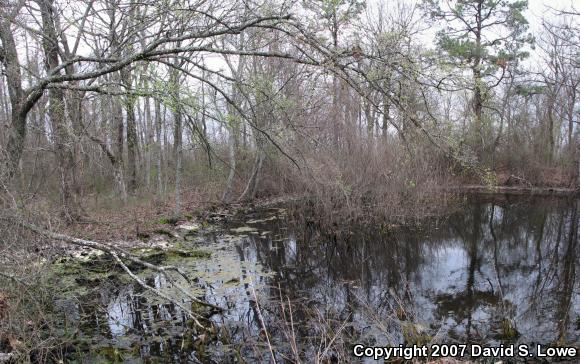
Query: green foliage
pixel 489 177
pixel 529 90
pixel 490 43
pixel 335 13
pixel 343 10
pixel 262 86
pixel 175 97
pixel 233 120
pixel 168 221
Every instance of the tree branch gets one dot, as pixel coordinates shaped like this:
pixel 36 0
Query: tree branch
pixel 117 253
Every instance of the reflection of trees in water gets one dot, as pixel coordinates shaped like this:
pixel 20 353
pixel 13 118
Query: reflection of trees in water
pixel 373 260
pixel 520 265
pixel 567 283
pixel 479 301
pixel 338 274
pixel 319 273
pixel 520 254
pixel 492 263
pixel 132 322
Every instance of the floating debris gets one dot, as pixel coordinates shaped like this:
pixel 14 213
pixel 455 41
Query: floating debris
pixel 244 229
pixel 188 227
pixel 259 221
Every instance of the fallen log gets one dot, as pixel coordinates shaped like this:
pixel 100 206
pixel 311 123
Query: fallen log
pixel 118 255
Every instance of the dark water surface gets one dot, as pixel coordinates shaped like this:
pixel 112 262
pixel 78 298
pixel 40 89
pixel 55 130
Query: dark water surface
pixel 497 272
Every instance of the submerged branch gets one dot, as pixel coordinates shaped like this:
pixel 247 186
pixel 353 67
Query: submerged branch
pixel 117 253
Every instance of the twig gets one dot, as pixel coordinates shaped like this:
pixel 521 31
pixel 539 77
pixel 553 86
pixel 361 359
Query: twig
pixel 13 278
pixel 118 253
pixel 340 329
pixel 154 290
pixel 261 319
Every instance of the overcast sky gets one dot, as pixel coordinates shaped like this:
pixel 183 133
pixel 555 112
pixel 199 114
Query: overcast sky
pixel 539 8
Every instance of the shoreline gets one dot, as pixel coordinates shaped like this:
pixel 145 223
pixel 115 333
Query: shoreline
pixel 514 190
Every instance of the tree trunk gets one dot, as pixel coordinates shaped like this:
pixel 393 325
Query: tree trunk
pixel 120 129
pixel 117 168
pixel 131 130
pixel 233 123
pixel 17 131
pixel 149 141
pixel 232 141
pixel 178 161
pixel 158 147
pixel 252 185
pixel 74 101
pixel 62 139
pixel 550 130
pixel 386 117
pixel 177 139
pixel 478 88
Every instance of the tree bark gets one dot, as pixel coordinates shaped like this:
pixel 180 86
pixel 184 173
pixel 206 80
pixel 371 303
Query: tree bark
pixel 233 122
pixel 478 87
pixel 131 130
pixel 158 147
pixel 62 140
pixel 17 132
pixel 117 167
pixel 149 141
pixel 227 195
pixel 252 186
pixel 177 138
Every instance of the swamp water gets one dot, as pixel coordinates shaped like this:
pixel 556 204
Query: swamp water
pixel 496 272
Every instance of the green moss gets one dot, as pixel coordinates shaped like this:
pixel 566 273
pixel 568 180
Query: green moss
pixel 149 255
pixel 158 255
pixel 75 278
pixel 175 253
pixel 168 221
